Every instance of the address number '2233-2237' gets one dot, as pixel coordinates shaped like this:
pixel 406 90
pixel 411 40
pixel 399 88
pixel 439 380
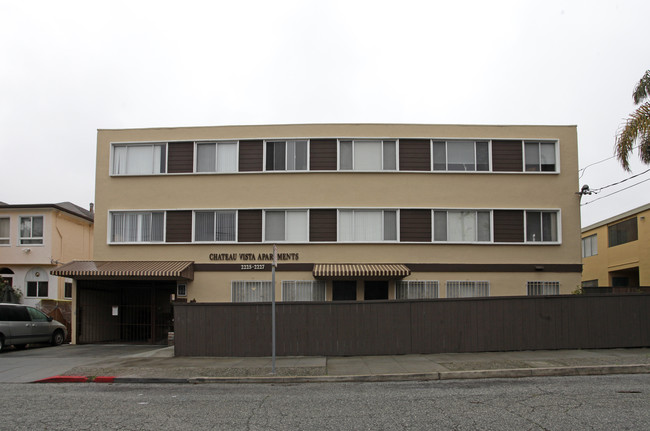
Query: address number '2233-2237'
pixel 252 267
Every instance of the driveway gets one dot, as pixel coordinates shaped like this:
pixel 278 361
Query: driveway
pixel 39 362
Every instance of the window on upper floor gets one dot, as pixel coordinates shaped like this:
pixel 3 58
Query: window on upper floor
pixel 4 230
pixel 590 246
pixel 215 226
pixel 368 155
pixel 461 156
pixel 216 157
pixel 535 288
pixel 286 155
pixel 137 226
pixel 541 226
pixel 416 289
pixel 289 226
pixel 467 289
pixel 461 226
pixel 139 159
pixel 31 230
pixel 67 290
pixel 623 232
pixel 367 225
pixel 540 156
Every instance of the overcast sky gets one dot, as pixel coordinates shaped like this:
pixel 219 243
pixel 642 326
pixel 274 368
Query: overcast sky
pixel 68 68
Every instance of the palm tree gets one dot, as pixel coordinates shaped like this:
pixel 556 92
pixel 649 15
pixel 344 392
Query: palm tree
pixel 637 127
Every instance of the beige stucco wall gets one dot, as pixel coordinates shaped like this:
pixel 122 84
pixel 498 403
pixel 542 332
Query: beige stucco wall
pixel 623 256
pixel 345 189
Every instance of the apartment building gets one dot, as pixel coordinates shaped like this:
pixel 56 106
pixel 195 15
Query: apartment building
pixel 34 239
pixel 616 251
pixel 357 212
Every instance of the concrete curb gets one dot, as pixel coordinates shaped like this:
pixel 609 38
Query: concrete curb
pixel 589 370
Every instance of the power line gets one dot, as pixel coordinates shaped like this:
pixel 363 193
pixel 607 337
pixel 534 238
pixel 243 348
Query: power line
pixel 617 191
pixel 600 161
pixel 619 182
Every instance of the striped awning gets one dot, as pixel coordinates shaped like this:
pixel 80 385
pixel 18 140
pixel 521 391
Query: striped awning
pixel 88 269
pixel 380 270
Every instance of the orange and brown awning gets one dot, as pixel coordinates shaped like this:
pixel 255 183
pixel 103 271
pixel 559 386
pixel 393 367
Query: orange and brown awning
pixel 380 270
pixel 160 270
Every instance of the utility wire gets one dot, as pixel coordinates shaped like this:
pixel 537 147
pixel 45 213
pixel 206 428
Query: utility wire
pixel 617 191
pixel 600 161
pixel 619 182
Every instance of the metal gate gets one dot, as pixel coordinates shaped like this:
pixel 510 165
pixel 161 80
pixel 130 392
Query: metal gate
pixel 124 311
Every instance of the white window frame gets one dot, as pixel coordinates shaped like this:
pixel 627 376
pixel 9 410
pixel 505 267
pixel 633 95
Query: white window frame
pixel 380 141
pixel 468 284
pixel 556 155
pixel 591 243
pixel 114 212
pixel 474 141
pixel 24 240
pixel 253 284
pixel 194 240
pixel 542 288
pixel 286 226
pixel 127 145
pixel 383 224
pixel 310 285
pixel 5 241
pixel 286 154
pixel 476 225
pixel 216 157
pixel 413 286
pixel 558 222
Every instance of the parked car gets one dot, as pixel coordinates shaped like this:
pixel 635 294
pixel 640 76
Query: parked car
pixel 21 325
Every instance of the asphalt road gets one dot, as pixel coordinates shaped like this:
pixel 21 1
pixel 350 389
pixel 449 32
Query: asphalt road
pixel 558 403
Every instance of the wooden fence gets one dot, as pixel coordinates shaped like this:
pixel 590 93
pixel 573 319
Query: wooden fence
pixel 409 327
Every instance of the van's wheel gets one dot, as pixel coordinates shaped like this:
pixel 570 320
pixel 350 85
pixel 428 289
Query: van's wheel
pixel 57 338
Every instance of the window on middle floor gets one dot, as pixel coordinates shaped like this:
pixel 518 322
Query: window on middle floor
pixel 216 157
pixel 4 230
pixel 461 226
pixel 461 156
pixel 540 156
pixel 590 245
pixel 367 225
pixel 541 226
pixel 368 155
pixel 137 226
pixel 215 226
pixel 290 226
pixel 286 155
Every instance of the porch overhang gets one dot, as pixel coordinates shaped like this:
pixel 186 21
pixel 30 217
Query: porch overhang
pixel 126 270
pixel 378 271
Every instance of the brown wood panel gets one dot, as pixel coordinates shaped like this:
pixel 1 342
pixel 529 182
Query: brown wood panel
pixel 180 157
pixel 179 226
pixel 251 156
pixel 322 154
pixel 322 225
pixel 507 156
pixel 423 326
pixel 414 155
pixel 415 225
pixel 508 226
pixel 249 227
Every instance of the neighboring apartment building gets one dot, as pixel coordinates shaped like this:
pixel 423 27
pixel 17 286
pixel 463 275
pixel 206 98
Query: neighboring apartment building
pixel 616 251
pixel 34 239
pixel 358 212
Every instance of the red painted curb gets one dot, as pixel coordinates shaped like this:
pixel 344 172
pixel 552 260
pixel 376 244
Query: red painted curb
pixel 104 379
pixel 64 379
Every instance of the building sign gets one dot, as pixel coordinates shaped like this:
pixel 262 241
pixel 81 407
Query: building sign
pixel 254 257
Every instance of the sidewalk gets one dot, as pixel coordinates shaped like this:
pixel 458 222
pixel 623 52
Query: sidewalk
pixel 160 366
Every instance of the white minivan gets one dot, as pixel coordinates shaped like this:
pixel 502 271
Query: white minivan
pixel 21 325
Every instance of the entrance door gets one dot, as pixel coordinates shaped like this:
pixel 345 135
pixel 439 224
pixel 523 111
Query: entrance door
pixel 344 290
pixel 375 290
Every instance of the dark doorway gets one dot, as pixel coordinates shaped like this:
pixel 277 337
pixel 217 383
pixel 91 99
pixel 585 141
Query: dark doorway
pixel 344 290
pixel 375 290
pixel 625 277
pixel 124 311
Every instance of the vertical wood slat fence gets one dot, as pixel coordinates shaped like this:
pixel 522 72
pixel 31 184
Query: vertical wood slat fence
pixel 411 327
